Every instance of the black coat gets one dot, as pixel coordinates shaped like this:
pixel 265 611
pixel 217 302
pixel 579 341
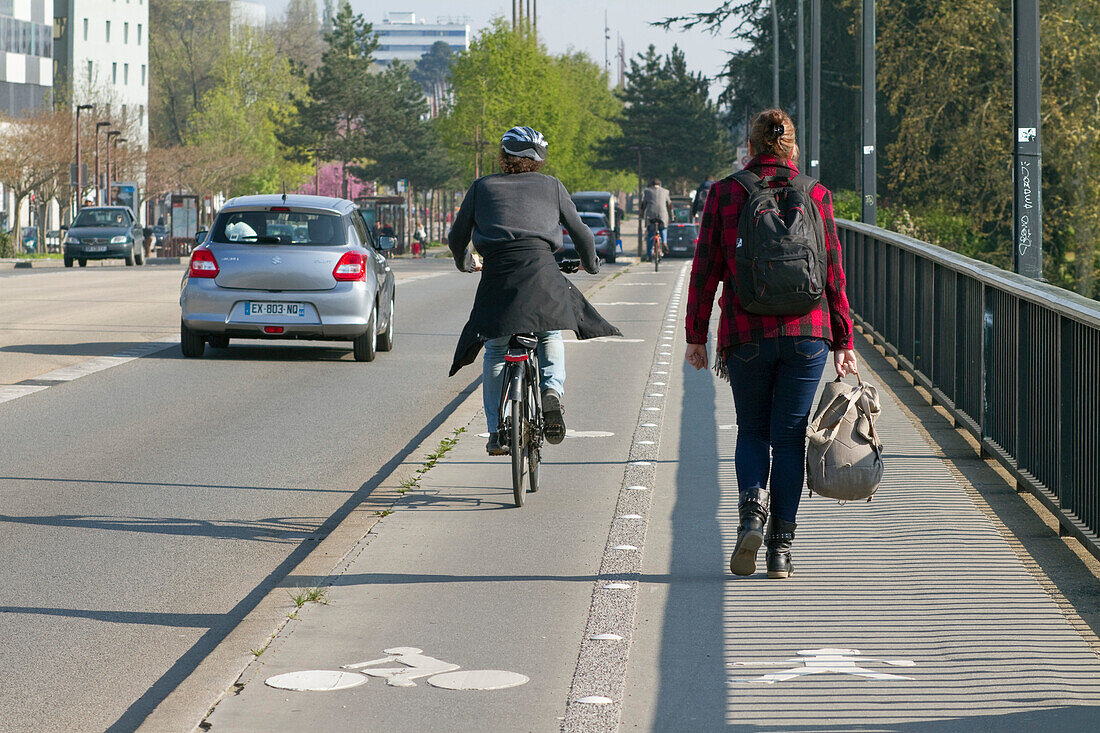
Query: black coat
pixel 523 291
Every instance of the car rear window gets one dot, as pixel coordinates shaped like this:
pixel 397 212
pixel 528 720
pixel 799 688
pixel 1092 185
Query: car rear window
pixel 594 221
pixel 682 234
pixel 278 227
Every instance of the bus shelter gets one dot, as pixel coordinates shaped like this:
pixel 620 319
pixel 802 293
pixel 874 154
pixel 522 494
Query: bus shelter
pixel 386 216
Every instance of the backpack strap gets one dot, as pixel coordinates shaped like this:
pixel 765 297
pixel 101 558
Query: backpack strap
pixel 748 180
pixel 804 183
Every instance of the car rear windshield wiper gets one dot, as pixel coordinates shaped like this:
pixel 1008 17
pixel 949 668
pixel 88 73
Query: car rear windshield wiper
pixel 260 239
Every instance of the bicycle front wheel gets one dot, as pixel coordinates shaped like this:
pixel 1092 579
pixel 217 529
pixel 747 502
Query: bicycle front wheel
pixel 534 441
pixel 519 449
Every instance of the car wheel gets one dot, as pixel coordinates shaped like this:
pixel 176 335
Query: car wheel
pixel 130 258
pixel 139 258
pixel 385 340
pixel 192 344
pixel 68 262
pixel 219 341
pixel 82 262
pixel 610 256
pixel 364 347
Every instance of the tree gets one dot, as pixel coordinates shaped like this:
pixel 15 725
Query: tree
pixel 402 143
pixel 433 72
pixel 297 36
pixel 251 100
pixel 34 152
pixel 334 118
pixel 669 109
pixel 505 79
pixel 186 39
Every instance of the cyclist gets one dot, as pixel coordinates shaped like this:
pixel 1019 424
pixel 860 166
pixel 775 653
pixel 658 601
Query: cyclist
pixel 700 198
pixel 656 212
pixel 515 220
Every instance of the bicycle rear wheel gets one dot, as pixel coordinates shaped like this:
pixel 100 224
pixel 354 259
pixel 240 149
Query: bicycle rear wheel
pixel 518 442
pixel 534 450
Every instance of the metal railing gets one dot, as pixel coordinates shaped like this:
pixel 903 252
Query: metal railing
pixel 1016 362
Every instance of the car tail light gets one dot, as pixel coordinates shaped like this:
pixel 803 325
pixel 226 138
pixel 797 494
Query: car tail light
pixel 695 241
pixel 352 266
pixel 602 233
pixel 203 263
pixel 280 208
pixel 273 329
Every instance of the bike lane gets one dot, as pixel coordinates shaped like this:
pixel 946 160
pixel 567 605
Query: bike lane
pixel 459 589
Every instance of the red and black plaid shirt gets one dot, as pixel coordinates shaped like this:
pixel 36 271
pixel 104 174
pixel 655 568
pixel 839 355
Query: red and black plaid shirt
pixel 714 263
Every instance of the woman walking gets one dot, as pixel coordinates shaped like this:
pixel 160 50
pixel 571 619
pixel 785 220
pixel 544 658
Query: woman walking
pixel 773 360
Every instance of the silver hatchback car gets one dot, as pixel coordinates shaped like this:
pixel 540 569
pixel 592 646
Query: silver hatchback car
pixel 289 267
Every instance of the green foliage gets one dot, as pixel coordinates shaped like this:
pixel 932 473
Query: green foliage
pixel 6 250
pixel 402 142
pixel 251 100
pixel 505 79
pixel 668 109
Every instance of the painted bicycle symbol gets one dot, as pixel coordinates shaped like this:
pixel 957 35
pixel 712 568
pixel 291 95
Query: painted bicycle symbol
pixel 414 665
pixel 821 661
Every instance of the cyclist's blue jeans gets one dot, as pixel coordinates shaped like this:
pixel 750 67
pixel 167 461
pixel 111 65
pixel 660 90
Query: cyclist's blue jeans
pixel 551 353
pixel 774 381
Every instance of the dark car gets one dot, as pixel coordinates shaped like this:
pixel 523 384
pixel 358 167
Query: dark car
pixel 682 239
pixel 102 233
pixel 604 237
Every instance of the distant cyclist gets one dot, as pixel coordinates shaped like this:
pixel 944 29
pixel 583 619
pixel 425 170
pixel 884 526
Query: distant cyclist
pixel 515 220
pixel 656 212
pixel 701 197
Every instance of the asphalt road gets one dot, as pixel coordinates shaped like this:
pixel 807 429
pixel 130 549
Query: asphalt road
pixel 147 507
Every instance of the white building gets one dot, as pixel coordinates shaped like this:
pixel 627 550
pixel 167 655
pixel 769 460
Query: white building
pixel 402 37
pixel 26 46
pixel 101 54
pixel 246 12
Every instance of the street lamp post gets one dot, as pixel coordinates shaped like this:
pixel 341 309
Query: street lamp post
pixel 870 155
pixel 639 149
pixel 98 195
pixel 775 55
pixel 815 89
pixel 1027 200
pixel 79 172
pixel 107 183
pixel 118 141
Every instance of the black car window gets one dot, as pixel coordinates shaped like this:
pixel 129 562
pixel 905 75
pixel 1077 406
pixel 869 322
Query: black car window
pixel 362 229
pixel 594 221
pixel 279 227
pixel 102 218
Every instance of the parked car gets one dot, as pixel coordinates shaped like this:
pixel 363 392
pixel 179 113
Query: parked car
pixel 289 267
pixel 103 232
pixel 160 235
pixel 682 239
pixel 606 242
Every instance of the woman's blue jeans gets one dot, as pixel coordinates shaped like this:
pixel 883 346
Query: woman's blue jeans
pixel 551 352
pixel 774 382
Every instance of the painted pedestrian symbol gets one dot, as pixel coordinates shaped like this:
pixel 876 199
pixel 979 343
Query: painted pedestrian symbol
pixel 414 665
pixel 822 661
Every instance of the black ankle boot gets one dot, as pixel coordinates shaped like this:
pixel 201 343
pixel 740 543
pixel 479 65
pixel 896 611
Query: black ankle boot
pixel 780 535
pixel 753 508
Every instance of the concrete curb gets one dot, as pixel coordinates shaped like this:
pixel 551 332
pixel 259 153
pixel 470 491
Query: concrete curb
pixel 229 665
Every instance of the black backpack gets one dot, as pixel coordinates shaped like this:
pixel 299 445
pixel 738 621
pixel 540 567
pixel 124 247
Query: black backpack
pixel 781 257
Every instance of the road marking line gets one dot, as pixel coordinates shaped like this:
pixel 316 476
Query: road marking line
pixel 601 668
pixel 15 391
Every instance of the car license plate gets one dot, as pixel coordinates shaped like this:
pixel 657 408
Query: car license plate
pixel 263 308
pixel 96 248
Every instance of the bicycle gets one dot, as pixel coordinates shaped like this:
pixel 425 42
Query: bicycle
pixel 653 235
pixel 521 424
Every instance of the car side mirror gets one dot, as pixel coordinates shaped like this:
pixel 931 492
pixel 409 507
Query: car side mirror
pixel 387 243
pixel 64 229
pixel 200 237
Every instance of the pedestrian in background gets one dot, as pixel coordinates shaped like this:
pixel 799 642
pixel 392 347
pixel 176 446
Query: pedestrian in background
pixel 773 362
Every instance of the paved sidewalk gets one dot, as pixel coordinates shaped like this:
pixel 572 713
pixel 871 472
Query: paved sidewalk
pixel 909 613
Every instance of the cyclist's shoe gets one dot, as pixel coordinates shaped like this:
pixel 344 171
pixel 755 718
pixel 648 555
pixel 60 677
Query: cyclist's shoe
pixel 494 447
pixel 553 417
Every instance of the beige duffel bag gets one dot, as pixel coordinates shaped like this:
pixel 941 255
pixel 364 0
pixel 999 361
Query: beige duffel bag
pixel 844 453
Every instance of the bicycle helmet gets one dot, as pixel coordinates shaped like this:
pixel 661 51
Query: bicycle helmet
pixel 524 142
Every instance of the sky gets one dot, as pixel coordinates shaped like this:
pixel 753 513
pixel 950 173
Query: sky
pixel 576 24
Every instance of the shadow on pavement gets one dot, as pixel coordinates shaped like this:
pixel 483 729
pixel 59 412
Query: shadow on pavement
pixel 692 689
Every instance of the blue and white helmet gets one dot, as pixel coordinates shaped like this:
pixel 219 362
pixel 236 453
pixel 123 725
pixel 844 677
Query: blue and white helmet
pixel 524 142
